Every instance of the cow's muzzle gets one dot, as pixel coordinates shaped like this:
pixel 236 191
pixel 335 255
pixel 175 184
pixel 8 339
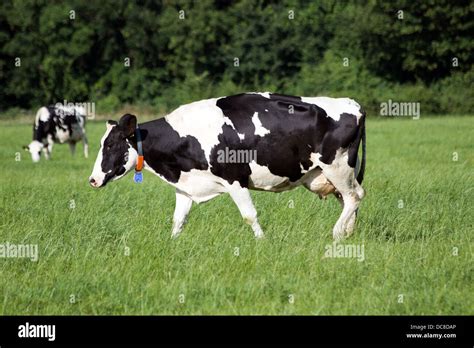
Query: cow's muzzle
pixel 95 183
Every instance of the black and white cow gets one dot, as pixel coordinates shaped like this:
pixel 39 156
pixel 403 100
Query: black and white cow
pixel 296 141
pixel 57 124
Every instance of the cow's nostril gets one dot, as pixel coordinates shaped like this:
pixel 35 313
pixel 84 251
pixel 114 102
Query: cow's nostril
pixel 92 181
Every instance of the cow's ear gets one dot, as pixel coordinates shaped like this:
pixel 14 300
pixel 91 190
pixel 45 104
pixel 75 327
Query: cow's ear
pixel 127 124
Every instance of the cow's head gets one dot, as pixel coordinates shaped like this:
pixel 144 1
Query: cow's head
pixel 34 149
pixel 116 155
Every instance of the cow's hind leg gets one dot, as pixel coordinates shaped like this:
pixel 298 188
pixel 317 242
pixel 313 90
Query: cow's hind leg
pixel 181 211
pixel 317 183
pixel 72 147
pixel 342 177
pixel 243 200
pixel 345 224
pixel 351 222
pixel 85 144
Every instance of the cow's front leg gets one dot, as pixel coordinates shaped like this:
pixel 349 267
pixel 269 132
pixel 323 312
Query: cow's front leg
pixel 181 210
pixel 46 152
pixel 50 146
pixel 243 200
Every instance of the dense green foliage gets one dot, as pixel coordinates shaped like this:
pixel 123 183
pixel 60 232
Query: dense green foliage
pixel 181 51
pixel 421 249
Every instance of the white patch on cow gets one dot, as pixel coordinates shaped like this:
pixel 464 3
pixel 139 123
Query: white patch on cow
pixel 229 122
pixel 314 158
pixel 42 115
pixel 199 185
pixel 340 160
pixel 259 129
pixel 62 135
pixel 34 149
pixel 263 94
pixel 202 120
pixel 334 107
pixel 261 178
pixel 97 173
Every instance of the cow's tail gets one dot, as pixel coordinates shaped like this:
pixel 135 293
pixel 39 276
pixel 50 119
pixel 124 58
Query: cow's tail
pixel 360 174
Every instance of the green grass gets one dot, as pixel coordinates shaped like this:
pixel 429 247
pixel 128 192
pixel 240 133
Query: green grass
pixel 408 250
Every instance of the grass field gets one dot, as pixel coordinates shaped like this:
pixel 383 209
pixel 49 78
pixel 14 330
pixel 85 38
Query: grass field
pixel 109 251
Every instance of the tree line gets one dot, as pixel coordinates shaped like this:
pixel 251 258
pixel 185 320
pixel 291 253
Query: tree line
pixel 166 53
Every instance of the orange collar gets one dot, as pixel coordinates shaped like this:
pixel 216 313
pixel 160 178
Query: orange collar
pixel 140 160
pixel 139 166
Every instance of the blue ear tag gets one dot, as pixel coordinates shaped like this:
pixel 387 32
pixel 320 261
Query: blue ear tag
pixel 138 178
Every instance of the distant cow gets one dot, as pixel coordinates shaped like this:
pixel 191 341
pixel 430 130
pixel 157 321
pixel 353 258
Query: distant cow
pixel 57 124
pixel 289 141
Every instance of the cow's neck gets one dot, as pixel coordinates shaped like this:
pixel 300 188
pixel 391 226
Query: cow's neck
pixel 166 153
pixel 157 157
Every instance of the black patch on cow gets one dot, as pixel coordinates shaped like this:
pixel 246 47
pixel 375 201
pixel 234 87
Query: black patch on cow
pixel 296 129
pixel 167 152
pixel 40 131
pixel 230 171
pixel 114 154
pixel 339 134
